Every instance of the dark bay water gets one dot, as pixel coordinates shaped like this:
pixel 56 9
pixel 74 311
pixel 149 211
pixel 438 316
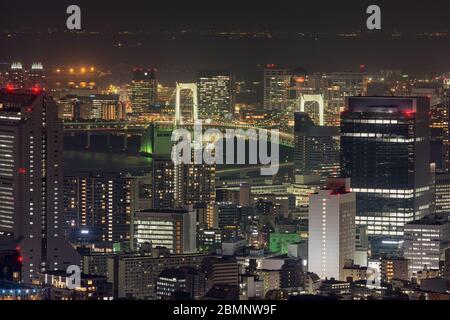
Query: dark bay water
pixel 101 159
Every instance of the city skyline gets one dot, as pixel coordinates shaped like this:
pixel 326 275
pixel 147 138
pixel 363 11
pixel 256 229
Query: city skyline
pixel 215 152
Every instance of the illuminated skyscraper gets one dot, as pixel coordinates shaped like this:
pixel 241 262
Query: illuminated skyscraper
pixel 103 204
pixel 163 183
pixel 16 76
pixel 215 92
pixel 385 150
pixel 331 240
pixel 442 194
pixel 439 136
pixel 194 183
pixel 277 83
pixel 446 103
pixel 337 86
pixel 316 149
pixel 31 182
pixel 36 76
pixel 143 89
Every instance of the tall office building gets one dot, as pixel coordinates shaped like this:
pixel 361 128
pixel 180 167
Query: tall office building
pixel 215 93
pixel 439 136
pixel 194 183
pixel 276 88
pixel 36 76
pixel 331 240
pixel 207 215
pixel 446 275
pixel 71 204
pixel 143 89
pixel 334 87
pixel 31 182
pixel 170 228
pixel 316 149
pixel 425 241
pixel 385 151
pixel 445 100
pixel 442 194
pixel 16 76
pixel 101 204
pixel 163 183
pixel 337 86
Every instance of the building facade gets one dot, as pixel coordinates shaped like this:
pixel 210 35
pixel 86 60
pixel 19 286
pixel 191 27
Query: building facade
pixel 31 182
pixel 442 194
pixel 425 242
pixel 194 183
pixel 276 88
pixel 331 242
pixel 215 93
pixel 143 88
pixel 163 180
pixel 385 151
pixel 101 203
pixel 170 228
pixel 316 148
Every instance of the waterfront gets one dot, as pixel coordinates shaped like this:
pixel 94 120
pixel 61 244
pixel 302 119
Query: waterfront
pixel 101 160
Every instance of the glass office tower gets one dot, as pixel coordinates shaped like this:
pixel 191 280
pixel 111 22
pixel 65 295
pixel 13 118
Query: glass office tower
pixel 385 150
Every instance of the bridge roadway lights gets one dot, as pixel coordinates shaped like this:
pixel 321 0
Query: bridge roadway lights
pixel 286 140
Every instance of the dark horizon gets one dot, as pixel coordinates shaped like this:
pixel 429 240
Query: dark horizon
pixel 157 39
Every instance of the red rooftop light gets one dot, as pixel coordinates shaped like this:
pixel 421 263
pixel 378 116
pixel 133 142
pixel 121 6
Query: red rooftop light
pixel 408 113
pixel 36 89
pixel 22 170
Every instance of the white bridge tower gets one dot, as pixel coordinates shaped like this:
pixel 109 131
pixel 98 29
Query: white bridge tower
pixel 178 114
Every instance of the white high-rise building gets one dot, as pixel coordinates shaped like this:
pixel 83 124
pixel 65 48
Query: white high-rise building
pixel 331 229
pixel 424 243
pixel 31 182
pixel 174 229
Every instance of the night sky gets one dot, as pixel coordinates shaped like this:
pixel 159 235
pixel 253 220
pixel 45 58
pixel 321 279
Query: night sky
pixel 300 15
pixel 180 56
